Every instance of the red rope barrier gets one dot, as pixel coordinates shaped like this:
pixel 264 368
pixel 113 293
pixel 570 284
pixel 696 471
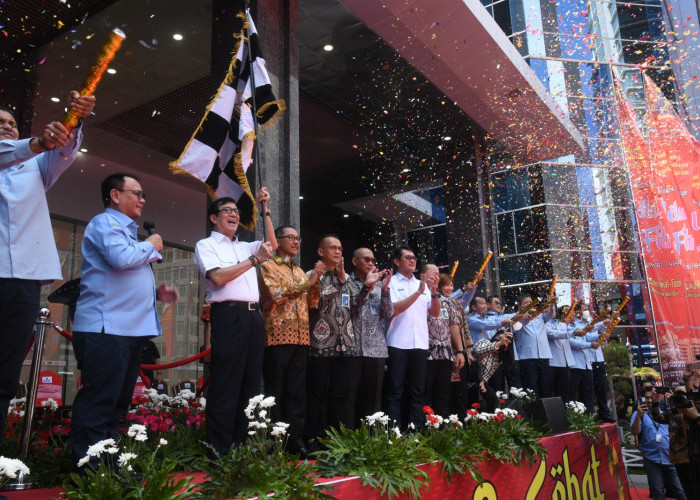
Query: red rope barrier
pixel 165 366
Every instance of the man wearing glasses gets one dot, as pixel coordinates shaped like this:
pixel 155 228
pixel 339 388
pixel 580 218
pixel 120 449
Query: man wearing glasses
pixel 285 296
pixel 28 168
pixel 368 323
pixel 237 331
pixel 116 313
pixel 407 336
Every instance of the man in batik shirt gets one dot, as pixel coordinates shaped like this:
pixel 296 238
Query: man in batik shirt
pixel 286 295
pixel 368 326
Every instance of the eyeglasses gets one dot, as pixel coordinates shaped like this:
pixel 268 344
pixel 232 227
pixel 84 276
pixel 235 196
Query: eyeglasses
pixel 334 248
pixel 369 259
pixel 137 192
pixel 409 257
pixel 229 210
pixel 291 237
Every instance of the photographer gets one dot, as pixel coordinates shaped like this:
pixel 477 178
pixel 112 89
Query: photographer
pixel 654 444
pixel 683 421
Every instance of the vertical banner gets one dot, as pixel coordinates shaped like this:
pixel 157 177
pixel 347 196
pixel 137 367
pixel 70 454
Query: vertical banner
pixel 665 177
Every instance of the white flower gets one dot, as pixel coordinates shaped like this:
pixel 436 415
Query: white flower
pixel 411 426
pixel 278 431
pixel 136 429
pixel 383 419
pixel 501 395
pixel 371 419
pixel 141 437
pixel 104 446
pixel 83 461
pixel 262 413
pixel 203 402
pixel 186 394
pixel 50 403
pixel 453 419
pixel 9 467
pixel 268 402
pixel 125 458
pixel 397 432
pixel 251 433
pixel 163 441
pixel 576 407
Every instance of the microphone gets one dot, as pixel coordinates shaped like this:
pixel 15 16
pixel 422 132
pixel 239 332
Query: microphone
pixel 150 228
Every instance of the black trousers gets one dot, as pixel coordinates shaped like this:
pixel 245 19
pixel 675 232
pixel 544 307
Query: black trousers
pixel 369 390
pixel 437 386
pixel 582 388
pixel 109 366
pixel 406 367
pixel 535 374
pixel 284 374
pixel 562 382
pixel 19 307
pixel 237 349
pixel 331 392
pixel 600 387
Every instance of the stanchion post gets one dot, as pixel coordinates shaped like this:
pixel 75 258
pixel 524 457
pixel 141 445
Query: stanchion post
pixel 42 324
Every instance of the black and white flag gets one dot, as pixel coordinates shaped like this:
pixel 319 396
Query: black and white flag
pixel 220 151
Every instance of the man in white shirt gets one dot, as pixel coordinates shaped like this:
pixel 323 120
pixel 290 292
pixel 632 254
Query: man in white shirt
pixel 407 336
pixel 237 331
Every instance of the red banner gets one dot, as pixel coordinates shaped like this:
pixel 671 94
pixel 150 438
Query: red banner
pixel 665 177
pixel 575 467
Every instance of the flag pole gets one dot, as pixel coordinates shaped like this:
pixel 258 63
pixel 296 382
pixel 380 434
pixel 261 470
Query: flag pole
pixel 254 111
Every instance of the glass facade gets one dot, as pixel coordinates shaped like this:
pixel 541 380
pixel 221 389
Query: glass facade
pixel 574 216
pixel 183 332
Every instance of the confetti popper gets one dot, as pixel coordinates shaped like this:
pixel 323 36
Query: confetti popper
pixel 570 311
pixel 604 336
pixel 454 268
pixel 483 265
pixel 533 313
pixel 597 319
pixel 622 305
pixel 109 50
pixel 529 306
pixel 554 284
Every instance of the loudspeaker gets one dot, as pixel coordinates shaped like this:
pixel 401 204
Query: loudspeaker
pixel 550 411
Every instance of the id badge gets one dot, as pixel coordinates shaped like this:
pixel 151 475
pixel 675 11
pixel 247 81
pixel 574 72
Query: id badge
pixel 373 309
pixel 345 300
pixel 658 437
pixel 443 313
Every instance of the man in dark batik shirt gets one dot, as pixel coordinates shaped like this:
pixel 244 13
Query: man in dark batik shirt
pixel 368 325
pixel 333 367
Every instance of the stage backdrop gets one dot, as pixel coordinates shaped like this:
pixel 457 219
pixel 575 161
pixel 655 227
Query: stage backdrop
pixel 575 468
pixel 665 176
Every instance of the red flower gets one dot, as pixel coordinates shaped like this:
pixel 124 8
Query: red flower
pixel 432 418
pixel 476 405
pixel 472 412
pixel 502 401
pixel 428 410
pixel 518 416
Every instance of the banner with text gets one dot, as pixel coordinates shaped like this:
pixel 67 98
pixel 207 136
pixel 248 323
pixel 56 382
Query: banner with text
pixel 665 177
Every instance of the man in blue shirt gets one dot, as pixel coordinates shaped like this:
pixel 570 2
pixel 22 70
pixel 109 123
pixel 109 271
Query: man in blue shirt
pixel 116 312
pixel 533 351
pixel 28 256
pixel 654 444
pixel 558 335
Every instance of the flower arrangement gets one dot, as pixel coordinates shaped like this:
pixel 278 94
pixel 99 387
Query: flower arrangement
pixel 260 467
pixel 581 420
pixel 11 468
pixel 137 472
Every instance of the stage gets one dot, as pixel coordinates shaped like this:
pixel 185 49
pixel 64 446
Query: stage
pixel 576 467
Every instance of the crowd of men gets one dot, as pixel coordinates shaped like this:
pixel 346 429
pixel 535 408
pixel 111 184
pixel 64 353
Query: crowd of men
pixel 331 347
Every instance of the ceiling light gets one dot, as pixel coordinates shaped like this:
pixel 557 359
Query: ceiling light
pixel 177 36
pixel 346 215
pixel 83 150
pixel 447 138
pixel 55 99
pixel 111 71
pixel 328 47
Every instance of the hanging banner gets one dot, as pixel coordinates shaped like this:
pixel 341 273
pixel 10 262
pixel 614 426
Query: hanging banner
pixel 664 172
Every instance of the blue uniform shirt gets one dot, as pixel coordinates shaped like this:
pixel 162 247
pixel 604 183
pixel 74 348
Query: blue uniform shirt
pixel 484 327
pixel 27 246
pixel 531 340
pixel 655 450
pixel 558 335
pixel 117 289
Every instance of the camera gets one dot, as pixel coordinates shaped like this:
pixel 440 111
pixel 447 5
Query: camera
pixel 680 400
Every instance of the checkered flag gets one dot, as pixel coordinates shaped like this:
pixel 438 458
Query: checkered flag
pixel 220 151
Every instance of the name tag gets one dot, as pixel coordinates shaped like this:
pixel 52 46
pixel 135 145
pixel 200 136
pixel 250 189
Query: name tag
pixel 373 309
pixel 658 437
pixel 345 300
pixel 443 313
